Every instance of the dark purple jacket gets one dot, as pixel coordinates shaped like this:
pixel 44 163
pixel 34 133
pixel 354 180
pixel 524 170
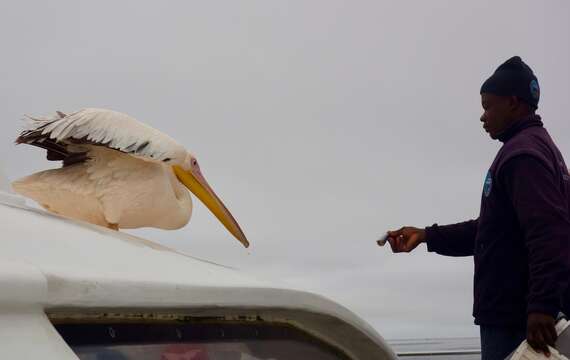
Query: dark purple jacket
pixel 521 240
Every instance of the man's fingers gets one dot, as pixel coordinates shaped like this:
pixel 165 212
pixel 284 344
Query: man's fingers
pixel 539 347
pixel 551 336
pixel 397 243
pixel 392 243
pixel 404 239
pixel 548 338
pixel 536 340
pixel 395 233
pixel 403 244
pixel 541 332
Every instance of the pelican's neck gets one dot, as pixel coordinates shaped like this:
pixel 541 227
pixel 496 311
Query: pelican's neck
pixel 180 191
pixel 183 198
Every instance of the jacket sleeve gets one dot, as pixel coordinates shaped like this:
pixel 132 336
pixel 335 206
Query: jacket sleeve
pixel 542 212
pixel 452 240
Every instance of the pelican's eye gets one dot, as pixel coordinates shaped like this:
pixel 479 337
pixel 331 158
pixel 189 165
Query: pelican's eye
pixel 194 162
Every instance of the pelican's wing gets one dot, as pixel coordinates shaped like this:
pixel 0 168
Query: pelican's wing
pixel 101 127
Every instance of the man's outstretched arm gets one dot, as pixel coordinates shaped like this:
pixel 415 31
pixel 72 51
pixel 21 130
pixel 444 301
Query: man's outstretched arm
pixel 451 240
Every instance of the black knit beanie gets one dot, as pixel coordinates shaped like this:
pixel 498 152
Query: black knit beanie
pixel 514 78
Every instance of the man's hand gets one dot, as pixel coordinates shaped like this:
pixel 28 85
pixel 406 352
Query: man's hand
pixel 406 239
pixel 540 332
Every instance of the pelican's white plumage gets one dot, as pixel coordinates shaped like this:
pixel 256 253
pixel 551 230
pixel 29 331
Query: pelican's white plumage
pixel 114 130
pixel 117 172
pixel 112 188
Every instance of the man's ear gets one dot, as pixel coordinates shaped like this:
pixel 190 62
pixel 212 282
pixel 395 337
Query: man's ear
pixel 514 103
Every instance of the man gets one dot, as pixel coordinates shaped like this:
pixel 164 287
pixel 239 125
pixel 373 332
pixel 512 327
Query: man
pixel 521 240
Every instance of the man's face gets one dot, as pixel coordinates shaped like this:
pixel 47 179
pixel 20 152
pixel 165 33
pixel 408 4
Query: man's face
pixel 498 113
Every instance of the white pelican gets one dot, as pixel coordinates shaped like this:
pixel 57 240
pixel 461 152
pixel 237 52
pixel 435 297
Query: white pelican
pixel 117 172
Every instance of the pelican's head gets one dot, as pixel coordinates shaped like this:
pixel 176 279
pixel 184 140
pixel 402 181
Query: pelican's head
pixel 189 174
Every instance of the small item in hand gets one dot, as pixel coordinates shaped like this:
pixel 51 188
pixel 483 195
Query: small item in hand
pixel 383 239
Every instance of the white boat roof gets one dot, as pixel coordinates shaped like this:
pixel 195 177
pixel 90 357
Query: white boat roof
pixel 61 264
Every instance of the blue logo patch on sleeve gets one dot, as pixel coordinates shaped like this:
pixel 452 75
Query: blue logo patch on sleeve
pixel 488 184
pixel 534 89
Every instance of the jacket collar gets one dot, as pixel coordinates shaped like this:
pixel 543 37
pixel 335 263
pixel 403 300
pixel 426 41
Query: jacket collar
pixel 520 125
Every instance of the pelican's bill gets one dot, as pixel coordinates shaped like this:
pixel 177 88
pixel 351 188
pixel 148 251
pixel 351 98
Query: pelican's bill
pixel 198 185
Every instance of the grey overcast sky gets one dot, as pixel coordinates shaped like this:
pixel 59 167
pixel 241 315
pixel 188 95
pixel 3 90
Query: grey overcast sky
pixel 321 124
